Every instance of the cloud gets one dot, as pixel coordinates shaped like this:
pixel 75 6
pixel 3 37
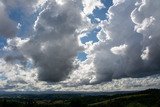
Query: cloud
pixel 145 54
pixel 17 78
pixel 128 46
pixel 14 76
pixel 11 53
pixel 119 50
pixel 118 1
pixel 7 26
pixel 55 44
pixel 27 6
pixel 126 57
pixel 90 5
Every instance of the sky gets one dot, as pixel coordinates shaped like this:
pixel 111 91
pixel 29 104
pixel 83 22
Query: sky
pixel 79 45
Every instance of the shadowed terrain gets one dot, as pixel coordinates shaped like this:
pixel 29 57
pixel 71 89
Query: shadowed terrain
pixel 147 98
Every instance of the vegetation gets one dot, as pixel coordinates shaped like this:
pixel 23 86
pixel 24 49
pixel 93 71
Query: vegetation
pixel 148 98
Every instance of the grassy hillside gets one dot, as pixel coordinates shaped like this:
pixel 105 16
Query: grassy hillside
pixel 148 98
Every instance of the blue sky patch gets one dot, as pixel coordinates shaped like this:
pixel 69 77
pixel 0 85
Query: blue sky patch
pixel 82 56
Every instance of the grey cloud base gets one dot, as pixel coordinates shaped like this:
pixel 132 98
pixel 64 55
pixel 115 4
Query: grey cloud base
pixel 55 44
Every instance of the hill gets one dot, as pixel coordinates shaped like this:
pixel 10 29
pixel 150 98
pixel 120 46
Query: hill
pixel 147 98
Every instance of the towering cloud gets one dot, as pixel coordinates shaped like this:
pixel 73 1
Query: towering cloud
pixel 126 56
pixel 54 45
pixel 130 47
pixel 147 19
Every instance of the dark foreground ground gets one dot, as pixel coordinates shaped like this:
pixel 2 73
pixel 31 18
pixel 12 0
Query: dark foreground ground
pixel 147 98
